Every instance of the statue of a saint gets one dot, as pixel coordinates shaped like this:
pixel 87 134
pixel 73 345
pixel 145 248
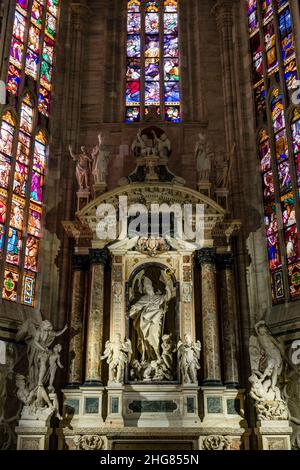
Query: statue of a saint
pixel 225 169
pixel 83 167
pixel 148 315
pixel 118 353
pixel 100 157
pixel 204 157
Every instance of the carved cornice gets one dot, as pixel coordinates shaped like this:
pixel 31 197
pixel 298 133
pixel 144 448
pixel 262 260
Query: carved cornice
pixel 77 230
pixel 97 256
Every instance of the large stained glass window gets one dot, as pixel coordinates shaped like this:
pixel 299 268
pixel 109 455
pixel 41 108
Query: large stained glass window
pixel 152 70
pixel 23 147
pixel 274 75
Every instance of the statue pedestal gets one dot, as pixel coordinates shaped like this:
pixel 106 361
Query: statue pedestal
pixel 115 405
pixel 83 406
pixel 204 187
pixel 99 188
pixel 83 198
pixel 273 435
pixel 34 431
pixel 190 394
pixel 222 197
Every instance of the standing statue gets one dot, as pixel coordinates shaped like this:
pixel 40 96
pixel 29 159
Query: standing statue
pixel 83 167
pixel 148 315
pixel 188 358
pixel 266 357
pixel 204 157
pixel 118 354
pixel 100 157
pixel 42 364
pixel 225 169
pixel 6 372
pixel 162 145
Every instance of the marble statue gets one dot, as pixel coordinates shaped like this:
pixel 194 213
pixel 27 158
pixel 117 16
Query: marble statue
pixel 42 366
pixel 6 372
pixel 100 158
pixel 142 146
pixel 188 358
pixel 118 354
pixel 266 357
pixel 148 315
pixel 203 157
pixel 162 145
pixel 225 169
pixel 83 167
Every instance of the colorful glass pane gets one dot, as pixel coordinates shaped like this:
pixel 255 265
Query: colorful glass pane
pixel 274 251
pixel 265 155
pixel 39 156
pixel 152 46
pixel 31 254
pixel 5 168
pixel 21 179
pixel 23 149
pixel 257 58
pixel 133 46
pixel 134 5
pixel 277 112
pixel 133 92
pixel 28 289
pixel 152 71
pixel 291 75
pixel 3 205
pixel 281 146
pixel 19 26
pixel 171 5
pixel 152 23
pixel 50 26
pixel 1 239
pixel 48 50
pixel 17 213
pixel 152 93
pixel 133 23
pixel 44 101
pixel 294 280
pixel 132 114
pixel 133 69
pixel 271 222
pixel 36 188
pixel 288 210
pixel 292 246
pixel 26 120
pixel 14 247
pixel 52 6
pixel 11 278
pixel 46 75
pixel 35 220
pixel 252 15
pixel 267 9
pixel 22 6
pixel 268 185
pixel 171 69
pixel 13 79
pixel 170 46
pixel 37 14
pixel 172 113
pixel 172 93
pixel 171 23
pixel 284 177
pixel 270 43
pixel 16 52
pixel 34 39
pixel 278 292
pixel 6 138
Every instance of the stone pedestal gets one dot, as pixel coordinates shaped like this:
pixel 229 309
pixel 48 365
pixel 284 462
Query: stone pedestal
pixel 34 431
pixel 204 187
pixel 115 405
pixel 210 324
pixel 273 435
pixel 222 195
pixel 99 188
pixel 190 395
pixel 83 198
pixel 94 343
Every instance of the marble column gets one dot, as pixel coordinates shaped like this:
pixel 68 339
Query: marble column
pixel 80 265
pixel 210 324
pixel 229 322
pixel 94 342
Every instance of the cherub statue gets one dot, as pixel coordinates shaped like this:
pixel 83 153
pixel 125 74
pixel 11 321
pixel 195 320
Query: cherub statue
pixel 118 354
pixel 204 157
pixel 141 146
pixel 188 358
pixel 83 167
pixel 54 362
pixel 266 357
pixel 162 145
pixel 100 157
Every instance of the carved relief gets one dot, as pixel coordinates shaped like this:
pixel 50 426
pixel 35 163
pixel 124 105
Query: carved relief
pixel 91 442
pixel 216 443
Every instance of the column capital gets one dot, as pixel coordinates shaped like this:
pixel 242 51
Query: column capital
pixel 222 11
pixel 80 262
pixel 225 260
pixel 206 256
pixel 98 256
pixel 80 13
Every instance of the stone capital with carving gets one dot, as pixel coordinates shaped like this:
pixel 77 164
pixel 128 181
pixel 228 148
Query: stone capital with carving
pixel 80 262
pixel 206 256
pixel 98 256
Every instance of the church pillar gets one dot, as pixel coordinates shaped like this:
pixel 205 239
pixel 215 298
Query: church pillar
pixel 79 267
pixel 229 324
pixel 210 324
pixel 94 343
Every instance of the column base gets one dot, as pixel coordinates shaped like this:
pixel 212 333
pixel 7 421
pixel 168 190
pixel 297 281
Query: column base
pixel 115 405
pixel 93 383
pixel 232 385
pixel 212 383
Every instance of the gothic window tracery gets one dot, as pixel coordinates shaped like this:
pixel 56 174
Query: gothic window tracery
pixel 23 146
pixel 274 76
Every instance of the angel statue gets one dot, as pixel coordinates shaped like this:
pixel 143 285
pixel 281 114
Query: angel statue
pixel 148 315
pixel 162 145
pixel 266 357
pixel 204 157
pixel 83 167
pixel 39 340
pixel 118 353
pixel 100 157
pixel 142 146
pixel 188 359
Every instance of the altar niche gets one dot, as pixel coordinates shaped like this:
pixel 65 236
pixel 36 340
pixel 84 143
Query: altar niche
pixel 152 325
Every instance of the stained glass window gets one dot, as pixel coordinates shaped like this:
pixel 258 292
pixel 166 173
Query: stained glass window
pixel 152 70
pixel 23 147
pixel 274 72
